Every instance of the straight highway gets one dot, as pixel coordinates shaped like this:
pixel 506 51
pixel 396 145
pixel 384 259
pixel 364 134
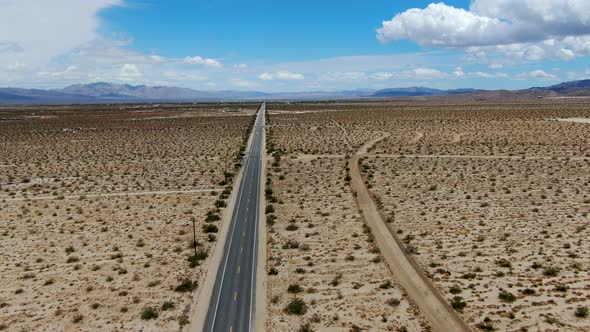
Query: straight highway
pixel 233 301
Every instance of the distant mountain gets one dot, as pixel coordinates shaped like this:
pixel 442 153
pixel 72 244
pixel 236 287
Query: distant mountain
pixel 418 91
pixel 574 87
pixel 101 92
pixel 126 91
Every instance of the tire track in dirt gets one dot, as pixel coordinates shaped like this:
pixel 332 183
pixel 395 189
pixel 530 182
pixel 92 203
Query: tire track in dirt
pixel 425 295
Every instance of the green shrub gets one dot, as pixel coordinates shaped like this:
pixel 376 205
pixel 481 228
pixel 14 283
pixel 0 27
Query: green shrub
pixel 458 303
pixel 296 307
pixel 504 263
pixel 208 228
pixel 168 305
pixel 294 289
pixel 194 260
pixel 149 313
pixel 269 209
pixel 386 285
pixel 455 290
pixel 551 271
pixel 186 286
pixel 507 297
pixel 394 302
pixel 582 312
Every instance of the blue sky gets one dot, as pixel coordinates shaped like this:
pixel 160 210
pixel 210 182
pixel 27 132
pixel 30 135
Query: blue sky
pixel 294 45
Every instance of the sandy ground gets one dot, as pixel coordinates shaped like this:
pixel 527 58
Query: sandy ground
pixel 96 221
pixel 492 200
pixel 441 316
pixel 320 252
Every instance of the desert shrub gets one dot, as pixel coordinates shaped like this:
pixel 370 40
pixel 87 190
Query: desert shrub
pixel 186 285
pixel 529 291
pixel 149 313
pixel 582 312
pixel 77 318
pixel 507 297
pixel 168 305
pixel 269 209
pixel 393 302
pixel 296 307
pixel 458 304
pixel 208 228
pixel 504 263
pixel 294 289
pixel 551 271
pixel 72 259
pixel 194 260
pixel 386 285
pixel 292 227
pixel 305 328
pixel 212 217
pixel 486 325
pixel 455 290
pixel 561 288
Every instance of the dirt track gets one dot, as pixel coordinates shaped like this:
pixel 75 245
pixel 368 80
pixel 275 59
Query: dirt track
pixel 419 288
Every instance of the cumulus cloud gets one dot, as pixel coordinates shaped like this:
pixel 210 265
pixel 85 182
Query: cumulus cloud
pixel 130 72
pixel 459 72
pixel 33 32
pixel 525 29
pixel 197 60
pixel 281 76
pixel 542 75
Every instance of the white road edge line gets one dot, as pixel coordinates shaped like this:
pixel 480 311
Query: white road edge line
pixel 234 222
pixel 255 254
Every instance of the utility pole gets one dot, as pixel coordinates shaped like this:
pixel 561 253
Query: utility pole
pixel 194 236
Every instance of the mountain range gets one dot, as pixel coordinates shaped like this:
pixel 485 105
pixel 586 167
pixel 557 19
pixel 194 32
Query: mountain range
pixel 102 92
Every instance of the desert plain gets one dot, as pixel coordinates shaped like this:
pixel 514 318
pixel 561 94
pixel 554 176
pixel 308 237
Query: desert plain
pixel 490 200
pixel 96 211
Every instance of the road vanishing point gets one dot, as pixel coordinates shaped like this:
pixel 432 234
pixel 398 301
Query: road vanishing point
pixel 232 305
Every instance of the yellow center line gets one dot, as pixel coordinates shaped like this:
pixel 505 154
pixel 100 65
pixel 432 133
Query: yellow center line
pixel 238 269
pixel 231 328
pixel 235 296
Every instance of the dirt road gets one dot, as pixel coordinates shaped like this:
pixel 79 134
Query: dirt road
pixel 434 306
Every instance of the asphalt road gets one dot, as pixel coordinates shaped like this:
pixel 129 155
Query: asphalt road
pixel 233 298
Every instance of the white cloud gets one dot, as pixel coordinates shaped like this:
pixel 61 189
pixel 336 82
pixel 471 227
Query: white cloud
pixel 281 76
pixel 531 30
pixel 33 32
pixel 197 60
pixel 344 76
pixel 130 72
pixel 542 75
pixel 382 76
pixel 157 59
pixel 69 73
pixel 181 76
pixel 424 73
pixel 459 72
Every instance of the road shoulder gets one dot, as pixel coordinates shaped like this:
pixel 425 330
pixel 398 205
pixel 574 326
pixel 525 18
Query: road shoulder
pixel 202 298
